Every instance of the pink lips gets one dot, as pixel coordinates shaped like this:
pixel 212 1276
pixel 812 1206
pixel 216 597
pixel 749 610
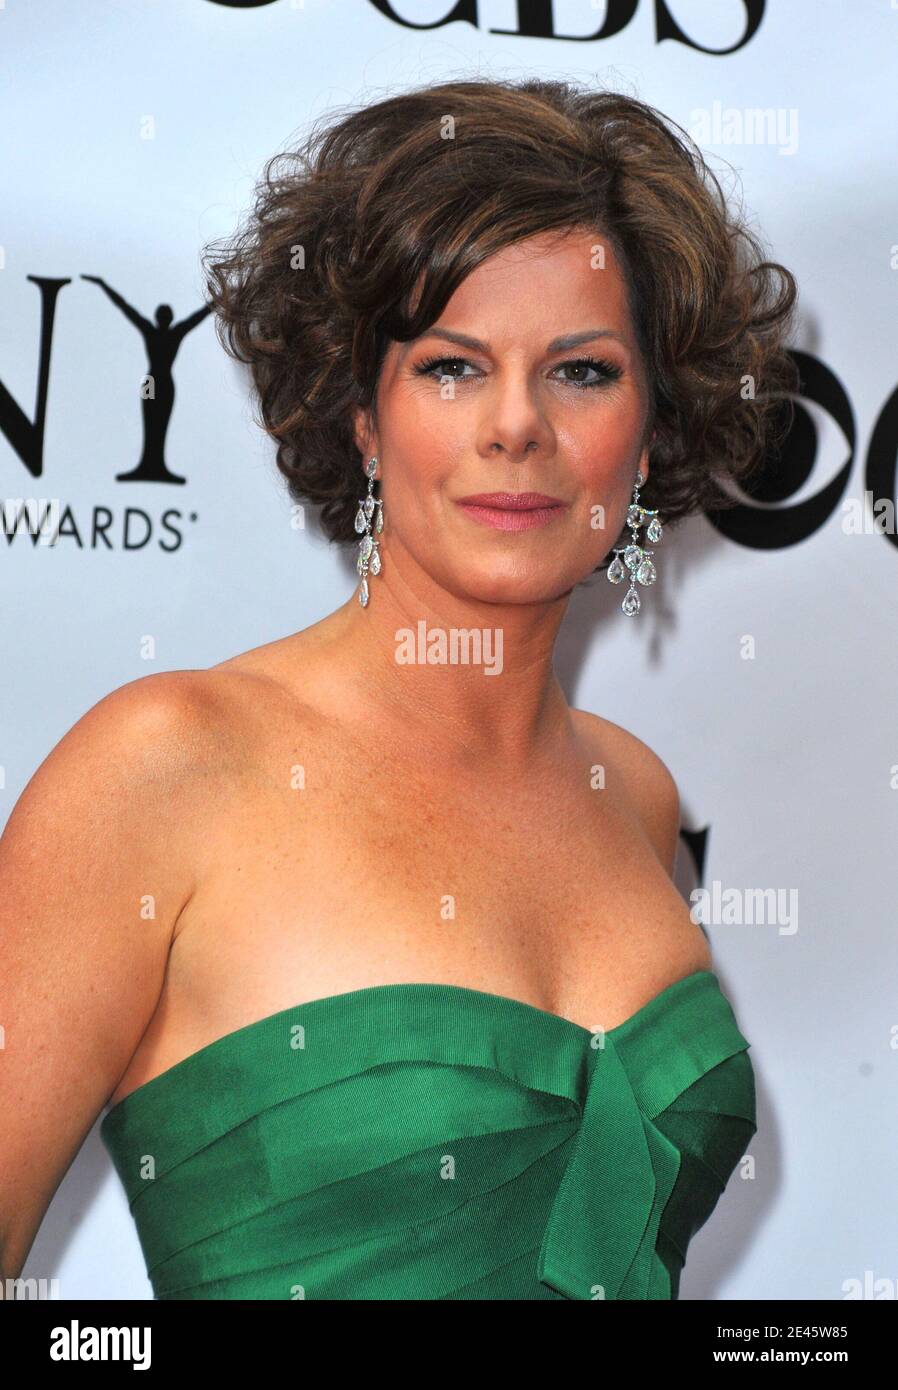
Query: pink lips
pixel 511 511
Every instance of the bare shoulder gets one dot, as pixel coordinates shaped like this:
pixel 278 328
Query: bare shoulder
pixel 98 858
pixel 211 722
pixel 212 702
pixel 162 727
pixel 631 755
pixel 140 734
pixel 124 776
pixel 644 778
pixel 158 747
pixel 285 667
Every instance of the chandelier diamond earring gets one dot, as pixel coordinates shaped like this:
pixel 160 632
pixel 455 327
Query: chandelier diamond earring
pixel 369 552
pixel 636 557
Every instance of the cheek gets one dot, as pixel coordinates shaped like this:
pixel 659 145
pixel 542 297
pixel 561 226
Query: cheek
pixel 408 419
pixel 412 485
pixel 420 460
pixel 602 460
pixel 602 455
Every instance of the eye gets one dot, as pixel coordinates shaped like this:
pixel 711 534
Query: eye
pixel 606 370
pixel 609 371
pixel 427 368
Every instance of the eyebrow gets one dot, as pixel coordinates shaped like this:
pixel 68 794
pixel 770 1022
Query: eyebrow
pixel 562 344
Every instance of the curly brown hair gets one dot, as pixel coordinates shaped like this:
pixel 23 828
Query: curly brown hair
pixel 394 203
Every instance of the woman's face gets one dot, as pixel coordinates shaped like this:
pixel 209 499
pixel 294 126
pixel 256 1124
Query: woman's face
pixel 519 413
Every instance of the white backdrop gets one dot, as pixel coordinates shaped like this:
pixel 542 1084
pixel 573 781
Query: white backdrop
pixel 134 133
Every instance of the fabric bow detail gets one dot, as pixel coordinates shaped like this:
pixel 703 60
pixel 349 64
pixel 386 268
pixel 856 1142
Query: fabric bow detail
pixel 602 1230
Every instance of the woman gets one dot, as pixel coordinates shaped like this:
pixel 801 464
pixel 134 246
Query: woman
pixel 367 936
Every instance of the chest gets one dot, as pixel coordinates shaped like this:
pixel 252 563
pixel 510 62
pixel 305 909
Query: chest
pixel 342 867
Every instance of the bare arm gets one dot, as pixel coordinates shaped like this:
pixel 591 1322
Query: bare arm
pixel 96 864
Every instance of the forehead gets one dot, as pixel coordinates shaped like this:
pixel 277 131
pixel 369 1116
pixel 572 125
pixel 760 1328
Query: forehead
pixel 544 286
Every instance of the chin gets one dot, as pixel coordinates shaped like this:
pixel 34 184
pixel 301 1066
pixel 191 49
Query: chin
pixel 506 589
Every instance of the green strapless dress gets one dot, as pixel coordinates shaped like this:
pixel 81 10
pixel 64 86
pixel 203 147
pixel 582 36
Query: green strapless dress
pixel 430 1141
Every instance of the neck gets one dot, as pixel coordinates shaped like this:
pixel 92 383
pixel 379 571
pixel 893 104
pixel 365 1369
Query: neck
pixel 454 674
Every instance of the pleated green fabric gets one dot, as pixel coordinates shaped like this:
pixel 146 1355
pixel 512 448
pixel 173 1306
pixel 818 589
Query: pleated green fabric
pixel 429 1141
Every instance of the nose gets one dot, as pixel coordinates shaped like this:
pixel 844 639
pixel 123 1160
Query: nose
pixel 514 421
